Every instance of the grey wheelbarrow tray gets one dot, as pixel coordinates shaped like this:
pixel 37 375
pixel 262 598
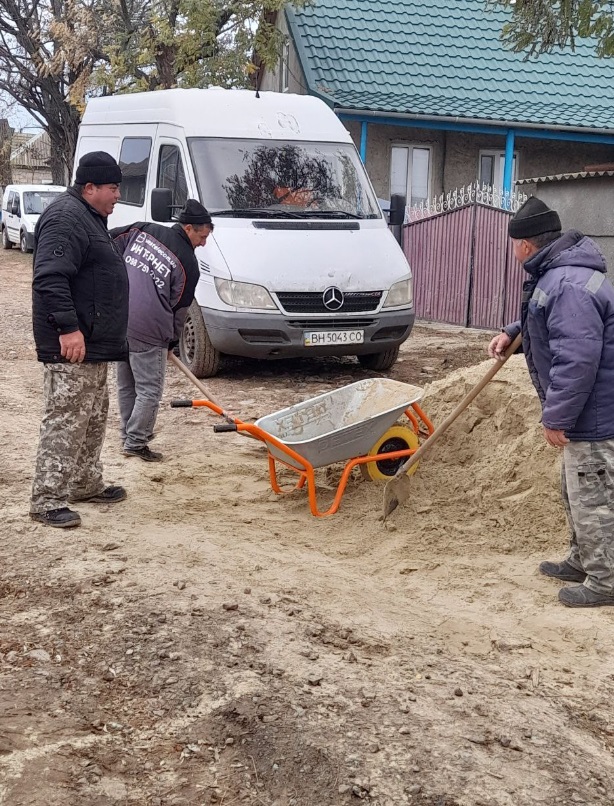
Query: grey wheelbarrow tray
pixel 341 424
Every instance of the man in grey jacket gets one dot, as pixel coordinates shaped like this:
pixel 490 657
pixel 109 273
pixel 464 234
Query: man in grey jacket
pixel 163 273
pixel 567 328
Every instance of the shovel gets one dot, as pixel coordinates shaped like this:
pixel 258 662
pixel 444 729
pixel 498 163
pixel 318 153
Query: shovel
pixel 397 490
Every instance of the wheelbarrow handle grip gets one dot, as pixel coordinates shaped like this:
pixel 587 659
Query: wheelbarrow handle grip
pixel 222 428
pixel 181 404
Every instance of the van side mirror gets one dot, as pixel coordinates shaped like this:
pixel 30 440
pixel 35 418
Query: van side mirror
pixel 397 209
pixel 15 207
pixel 161 204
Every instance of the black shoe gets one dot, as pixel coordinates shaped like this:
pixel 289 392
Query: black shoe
pixel 110 495
pixel 144 453
pixel 62 518
pixel 581 596
pixel 562 570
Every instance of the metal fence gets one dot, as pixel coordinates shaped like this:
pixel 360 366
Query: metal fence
pixel 463 266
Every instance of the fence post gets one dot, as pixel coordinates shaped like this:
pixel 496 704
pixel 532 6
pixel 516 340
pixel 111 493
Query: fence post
pixel 469 307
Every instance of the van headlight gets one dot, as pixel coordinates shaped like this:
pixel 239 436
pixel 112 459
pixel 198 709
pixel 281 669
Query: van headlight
pixel 243 295
pixel 400 294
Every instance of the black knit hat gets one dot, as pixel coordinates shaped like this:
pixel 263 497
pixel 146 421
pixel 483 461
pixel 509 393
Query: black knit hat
pixel 193 213
pixel 99 168
pixel 533 218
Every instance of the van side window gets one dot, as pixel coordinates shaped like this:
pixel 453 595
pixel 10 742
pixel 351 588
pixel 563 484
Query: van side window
pixel 134 163
pixel 171 174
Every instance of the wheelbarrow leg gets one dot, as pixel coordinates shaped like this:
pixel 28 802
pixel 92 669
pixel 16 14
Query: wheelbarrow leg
pixel 275 486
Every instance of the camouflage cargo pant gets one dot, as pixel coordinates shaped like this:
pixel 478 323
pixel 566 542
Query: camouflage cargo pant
pixel 76 402
pixel 587 482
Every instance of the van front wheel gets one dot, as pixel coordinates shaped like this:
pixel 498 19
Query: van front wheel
pixel 6 244
pixel 23 243
pixel 195 348
pixel 379 361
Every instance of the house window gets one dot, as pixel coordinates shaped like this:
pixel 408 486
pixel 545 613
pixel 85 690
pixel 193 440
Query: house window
pixel 410 172
pixel 283 67
pixel 491 168
pixel 172 175
pixel 134 163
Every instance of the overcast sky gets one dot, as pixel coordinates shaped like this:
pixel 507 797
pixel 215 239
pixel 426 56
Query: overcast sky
pixel 17 116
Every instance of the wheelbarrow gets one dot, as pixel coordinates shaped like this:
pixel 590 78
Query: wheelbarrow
pixel 356 424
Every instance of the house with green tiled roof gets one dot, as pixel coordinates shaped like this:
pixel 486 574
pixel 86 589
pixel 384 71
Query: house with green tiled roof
pixel 434 101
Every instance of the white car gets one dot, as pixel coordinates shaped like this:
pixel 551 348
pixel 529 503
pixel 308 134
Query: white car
pixel 21 208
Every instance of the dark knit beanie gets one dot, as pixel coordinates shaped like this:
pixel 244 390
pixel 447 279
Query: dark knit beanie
pixel 99 168
pixel 533 218
pixel 193 213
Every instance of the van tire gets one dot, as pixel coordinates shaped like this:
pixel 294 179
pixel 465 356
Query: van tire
pixel 6 244
pixel 379 361
pixel 195 348
pixel 23 243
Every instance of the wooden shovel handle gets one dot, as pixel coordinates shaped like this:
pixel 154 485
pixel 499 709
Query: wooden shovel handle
pixel 469 397
pixel 200 386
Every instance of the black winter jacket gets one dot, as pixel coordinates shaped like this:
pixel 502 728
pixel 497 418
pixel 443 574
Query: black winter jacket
pixel 80 282
pixel 163 273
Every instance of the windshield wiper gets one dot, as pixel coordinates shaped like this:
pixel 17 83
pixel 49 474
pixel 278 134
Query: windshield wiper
pixel 328 214
pixel 256 212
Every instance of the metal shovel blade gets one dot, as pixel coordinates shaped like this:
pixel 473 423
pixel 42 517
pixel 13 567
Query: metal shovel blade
pixel 396 492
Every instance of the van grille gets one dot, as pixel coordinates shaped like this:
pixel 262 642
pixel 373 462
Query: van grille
pixel 331 324
pixel 312 302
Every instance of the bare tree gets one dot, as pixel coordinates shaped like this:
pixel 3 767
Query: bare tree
pixel 46 67
pixel 6 137
pixel 56 53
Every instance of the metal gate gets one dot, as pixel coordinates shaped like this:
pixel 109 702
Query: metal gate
pixel 464 269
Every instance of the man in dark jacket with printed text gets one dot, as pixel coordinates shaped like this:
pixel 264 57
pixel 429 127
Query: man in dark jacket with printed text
pixel 163 273
pixel 568 339
pixel 80 315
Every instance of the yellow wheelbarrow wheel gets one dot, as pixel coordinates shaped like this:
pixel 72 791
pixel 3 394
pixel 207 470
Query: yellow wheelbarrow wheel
pixel 396 438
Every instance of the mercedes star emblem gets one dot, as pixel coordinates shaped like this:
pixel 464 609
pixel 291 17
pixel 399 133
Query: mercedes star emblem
pixel 332 298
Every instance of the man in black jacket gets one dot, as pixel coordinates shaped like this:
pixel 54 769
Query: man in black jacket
pixel 80 316
pixel 163 273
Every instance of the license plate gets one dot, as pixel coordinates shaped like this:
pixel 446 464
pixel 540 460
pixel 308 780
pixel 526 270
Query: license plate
pixel 319 338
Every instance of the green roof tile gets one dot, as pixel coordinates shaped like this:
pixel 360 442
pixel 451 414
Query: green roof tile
pixel 444 58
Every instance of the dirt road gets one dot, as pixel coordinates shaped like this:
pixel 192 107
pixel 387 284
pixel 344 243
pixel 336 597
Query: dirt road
pixel 209 642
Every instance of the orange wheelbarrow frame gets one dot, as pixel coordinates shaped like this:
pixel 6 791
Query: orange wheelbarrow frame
pixel 418 420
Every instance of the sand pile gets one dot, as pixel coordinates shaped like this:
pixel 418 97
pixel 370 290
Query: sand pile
pixel 492 479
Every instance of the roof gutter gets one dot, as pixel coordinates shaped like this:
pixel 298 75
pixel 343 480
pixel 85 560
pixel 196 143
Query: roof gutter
pixel 504 125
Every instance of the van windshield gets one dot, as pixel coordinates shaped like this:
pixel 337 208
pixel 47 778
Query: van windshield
pixel 35 201
pixel 282 179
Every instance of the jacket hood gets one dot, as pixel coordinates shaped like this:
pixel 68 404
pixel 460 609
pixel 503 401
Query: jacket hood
pixel 571 249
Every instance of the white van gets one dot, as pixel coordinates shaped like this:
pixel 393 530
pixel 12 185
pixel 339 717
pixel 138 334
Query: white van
pixel 21 208
pixel 301 261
